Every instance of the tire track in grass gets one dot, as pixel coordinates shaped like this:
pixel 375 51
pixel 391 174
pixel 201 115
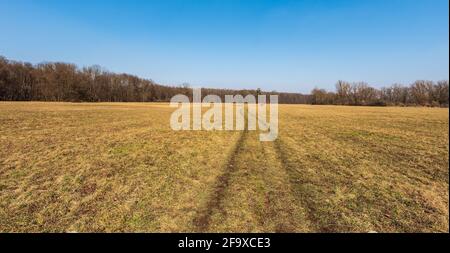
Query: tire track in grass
pixel 215 202
pixel 270 195
pixel 281 210
pixel 286 211
pixel 294 180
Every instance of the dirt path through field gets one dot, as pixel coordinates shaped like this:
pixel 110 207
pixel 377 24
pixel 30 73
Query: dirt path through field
pixel 254 193
pixel 215 202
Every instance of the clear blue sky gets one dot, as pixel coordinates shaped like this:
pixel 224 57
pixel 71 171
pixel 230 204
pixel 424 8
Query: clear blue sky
pixel 276 45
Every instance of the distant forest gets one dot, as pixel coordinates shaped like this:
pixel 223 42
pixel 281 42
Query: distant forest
pixel 420 93
pixel 56 81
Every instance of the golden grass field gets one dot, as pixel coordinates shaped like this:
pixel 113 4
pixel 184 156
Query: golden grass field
pixel 113 167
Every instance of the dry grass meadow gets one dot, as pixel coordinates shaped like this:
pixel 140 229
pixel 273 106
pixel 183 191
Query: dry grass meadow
pixel 113 167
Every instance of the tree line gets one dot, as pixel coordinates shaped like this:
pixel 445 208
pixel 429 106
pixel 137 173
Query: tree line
pixel 57 81
pixel 421 93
